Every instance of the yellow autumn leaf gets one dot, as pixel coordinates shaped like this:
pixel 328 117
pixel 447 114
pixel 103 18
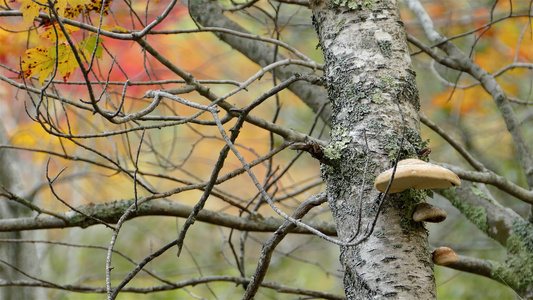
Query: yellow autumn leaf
pixel 30 10
pixel 74 3
pixel 38 61
pixel 66 62
pixel 50 33
pixel 75 8
pixel 114 28
pixel 60 6
pixel 42 61
pixel 96 5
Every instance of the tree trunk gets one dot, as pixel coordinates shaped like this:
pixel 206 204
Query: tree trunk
pixel 375 120
pixel 20 255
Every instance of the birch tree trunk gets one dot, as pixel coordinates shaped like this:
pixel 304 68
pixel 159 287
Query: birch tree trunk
pixel 375 120
pixel 19 255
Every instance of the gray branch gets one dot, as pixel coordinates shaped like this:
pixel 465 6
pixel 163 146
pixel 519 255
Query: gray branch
pixel 474 265
pixel 112 211
pixel 210 14
pixel 461 62
pixel 476 203
pixel 270 245
pixel 180 284
pixel 495 180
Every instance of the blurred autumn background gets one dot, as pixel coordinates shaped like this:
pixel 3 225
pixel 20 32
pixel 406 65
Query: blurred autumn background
pixel 497 35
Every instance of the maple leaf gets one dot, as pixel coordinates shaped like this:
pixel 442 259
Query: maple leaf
pixel 65 8
pixel 38 61
pixel 89 45
pixel 75 3
pixel 60 6
pixel 30 10
pixel 66 62
pixel 42 61
pixel 86 6
pixel 114 28
pixel 50 33
pixel 96 5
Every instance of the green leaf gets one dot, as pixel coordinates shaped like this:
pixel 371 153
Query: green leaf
pixel 89 44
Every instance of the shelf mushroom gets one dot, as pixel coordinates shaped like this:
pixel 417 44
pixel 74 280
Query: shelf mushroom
pixel 418 174
pixel 443 256
pixel 428 213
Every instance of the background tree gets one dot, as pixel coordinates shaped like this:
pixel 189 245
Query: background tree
pixel 122 113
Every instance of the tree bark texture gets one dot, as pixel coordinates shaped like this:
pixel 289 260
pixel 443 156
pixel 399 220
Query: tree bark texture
pixel 375 119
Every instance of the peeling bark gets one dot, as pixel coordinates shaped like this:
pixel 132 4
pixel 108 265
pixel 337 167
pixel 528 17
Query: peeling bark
pixel 375 119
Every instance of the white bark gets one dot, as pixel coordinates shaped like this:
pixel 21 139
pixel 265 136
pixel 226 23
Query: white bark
pixel 371 86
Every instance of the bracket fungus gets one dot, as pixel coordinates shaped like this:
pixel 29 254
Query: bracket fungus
pixel 418 174
pixel 443 256
pixel 428 213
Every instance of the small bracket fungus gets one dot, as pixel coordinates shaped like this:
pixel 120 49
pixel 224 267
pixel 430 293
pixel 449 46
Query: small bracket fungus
pixel 418 174
pixel 429 213
pixel 443 256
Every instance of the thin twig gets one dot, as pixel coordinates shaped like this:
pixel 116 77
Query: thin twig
pixel 270 246
pixel 50 185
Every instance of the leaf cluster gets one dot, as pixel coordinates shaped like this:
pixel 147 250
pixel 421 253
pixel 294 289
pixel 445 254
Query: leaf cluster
pixel 59 56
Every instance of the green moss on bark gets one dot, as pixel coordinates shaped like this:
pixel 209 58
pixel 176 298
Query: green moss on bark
pixel 517 272
pixel 109 212
pixel 412 143
pixel 476 214
pixel 409 200
pixel 334 149
pixel 385 47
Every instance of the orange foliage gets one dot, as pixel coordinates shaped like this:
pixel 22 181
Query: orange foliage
pixel 496 46
pixel 472 100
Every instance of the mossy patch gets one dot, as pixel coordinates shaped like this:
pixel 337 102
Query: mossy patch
pixel 476 214
pixel 110 212
pixel 377 98
pixel 385 47
pixel 475 189
pixel 525 231
pixel 410 198
pixel 517 272
pixel 386 81
pixel 333 151
pixel 339 25
pixel 412 143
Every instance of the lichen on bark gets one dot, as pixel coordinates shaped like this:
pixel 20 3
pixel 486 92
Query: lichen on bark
pixel 374 118
pixel 517 271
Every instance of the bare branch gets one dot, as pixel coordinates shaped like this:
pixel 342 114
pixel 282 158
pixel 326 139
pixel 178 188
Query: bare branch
pixel 473 265
pixel 455 144
pixel 495 180
pixel 478 205
pixel 208 14
pixel 110 212
pixel 270 246
pixel 463 63
pixel 180 284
